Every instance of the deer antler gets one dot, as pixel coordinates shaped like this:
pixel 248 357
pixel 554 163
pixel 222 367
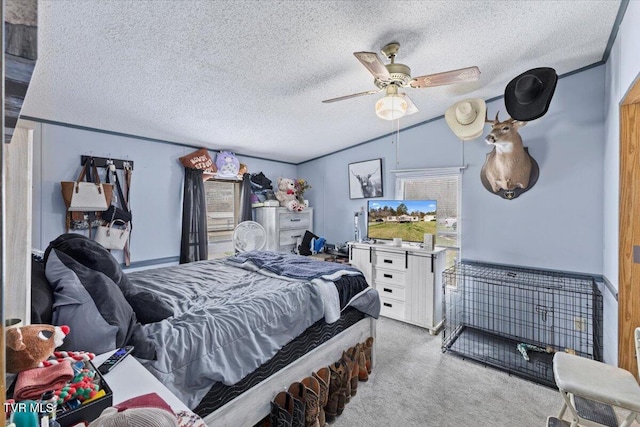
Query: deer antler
pixel 492 122
pixel 374 171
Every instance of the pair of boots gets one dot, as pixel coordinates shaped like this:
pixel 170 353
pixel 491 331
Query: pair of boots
pixel 356 357
pixel 302 405
pixel 339 389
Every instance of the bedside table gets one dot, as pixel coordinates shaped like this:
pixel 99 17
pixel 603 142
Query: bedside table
pixel 130 379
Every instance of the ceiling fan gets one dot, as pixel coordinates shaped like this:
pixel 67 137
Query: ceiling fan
pixel 393 76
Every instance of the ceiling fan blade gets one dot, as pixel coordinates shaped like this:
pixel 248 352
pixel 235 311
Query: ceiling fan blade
pixel 355 95
pixel 374 64
pixel 411 107
pixel 469 74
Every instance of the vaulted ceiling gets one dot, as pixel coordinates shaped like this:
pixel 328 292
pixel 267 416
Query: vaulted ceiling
pixel 249 76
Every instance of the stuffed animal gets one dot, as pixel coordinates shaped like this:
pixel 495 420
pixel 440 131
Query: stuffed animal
pixel 286 195
pixel 228 165
pixel 27 346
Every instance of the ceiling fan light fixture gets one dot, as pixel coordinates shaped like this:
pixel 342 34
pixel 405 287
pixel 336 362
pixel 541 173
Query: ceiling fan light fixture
pixel 391 107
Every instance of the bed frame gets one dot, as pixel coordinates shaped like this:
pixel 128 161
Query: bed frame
pixel 254 404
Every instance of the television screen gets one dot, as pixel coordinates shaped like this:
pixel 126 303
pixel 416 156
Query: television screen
pixel 407 219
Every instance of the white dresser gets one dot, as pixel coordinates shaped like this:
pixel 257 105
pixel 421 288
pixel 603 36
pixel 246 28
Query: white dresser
pixel 408 279
pixel 283 226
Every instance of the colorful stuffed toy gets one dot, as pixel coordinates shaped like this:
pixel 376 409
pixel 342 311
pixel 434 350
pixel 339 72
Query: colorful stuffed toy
pixel 27 346
pixel 228 165
pixel 286 195
pixel 81 387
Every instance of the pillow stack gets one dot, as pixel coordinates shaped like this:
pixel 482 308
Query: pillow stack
pixel 93 297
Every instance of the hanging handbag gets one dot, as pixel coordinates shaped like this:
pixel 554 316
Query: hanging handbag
pixel 83 220
pixel 115 212
pixel 112 237
pixel 86 196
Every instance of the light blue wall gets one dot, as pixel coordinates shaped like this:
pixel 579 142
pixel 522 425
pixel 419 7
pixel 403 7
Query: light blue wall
pixel 622 69
pixel 555 225
pixel 430 145
pixel 156 193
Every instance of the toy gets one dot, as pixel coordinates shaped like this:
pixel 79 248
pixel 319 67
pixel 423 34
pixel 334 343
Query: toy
pixel 228 165
pixel 286 195
pixel 81 387
pixel 71 356
pixel 27 346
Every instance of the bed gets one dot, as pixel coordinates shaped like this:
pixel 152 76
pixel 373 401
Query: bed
pixel 223 335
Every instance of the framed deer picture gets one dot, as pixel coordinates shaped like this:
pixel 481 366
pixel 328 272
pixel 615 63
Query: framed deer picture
pixel 365 179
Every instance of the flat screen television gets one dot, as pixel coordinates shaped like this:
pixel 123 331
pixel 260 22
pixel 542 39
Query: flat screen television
pixel 406 219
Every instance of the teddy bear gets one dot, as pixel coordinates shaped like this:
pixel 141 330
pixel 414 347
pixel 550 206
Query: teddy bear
pixel 286 195
pixel 28 346
pixel 227 164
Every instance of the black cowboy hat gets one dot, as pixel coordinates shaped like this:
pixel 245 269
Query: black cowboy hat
pixel 527 97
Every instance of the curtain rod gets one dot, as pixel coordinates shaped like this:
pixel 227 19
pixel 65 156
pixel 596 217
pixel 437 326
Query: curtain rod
pixel 428 169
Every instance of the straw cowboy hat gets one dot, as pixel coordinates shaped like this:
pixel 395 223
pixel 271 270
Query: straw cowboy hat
pixel 466 118
pixel 527 97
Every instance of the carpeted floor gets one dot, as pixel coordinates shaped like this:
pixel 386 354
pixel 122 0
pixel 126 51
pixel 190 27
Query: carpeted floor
pixel 415 384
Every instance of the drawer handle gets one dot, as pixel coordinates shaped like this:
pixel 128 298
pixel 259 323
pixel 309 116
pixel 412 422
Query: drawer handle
pixel 295 219
pixel 387 290
pixel 388 276
pixel 386 304
pixel 388 261
pixel 296 236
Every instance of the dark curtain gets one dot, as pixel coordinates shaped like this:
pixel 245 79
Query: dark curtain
pixel 245 198
pixel 194 245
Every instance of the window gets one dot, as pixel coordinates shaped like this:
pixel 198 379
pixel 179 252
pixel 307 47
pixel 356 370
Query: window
pixel 444 186
pixel 223 209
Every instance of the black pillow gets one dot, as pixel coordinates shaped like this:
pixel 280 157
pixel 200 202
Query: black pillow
pixel 41 295
pixel 149 307
pixel 90 303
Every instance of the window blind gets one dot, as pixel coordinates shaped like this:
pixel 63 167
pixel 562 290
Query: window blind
pixel 443 186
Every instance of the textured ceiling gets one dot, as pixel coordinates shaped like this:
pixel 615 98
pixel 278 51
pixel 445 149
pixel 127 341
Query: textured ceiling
pixel 249 76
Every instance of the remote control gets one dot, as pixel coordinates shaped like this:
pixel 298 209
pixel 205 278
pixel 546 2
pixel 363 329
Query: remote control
pixel 114 359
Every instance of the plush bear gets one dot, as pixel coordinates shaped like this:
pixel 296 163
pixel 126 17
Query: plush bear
pixel 286 195
pixel 28 346
pixel 228 165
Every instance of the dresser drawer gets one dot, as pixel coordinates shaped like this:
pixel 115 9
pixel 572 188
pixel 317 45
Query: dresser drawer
pixel 393 277
pixel 391 260
pixel 290 220
pixel 290 237
pixel 390 291
pixel 391 308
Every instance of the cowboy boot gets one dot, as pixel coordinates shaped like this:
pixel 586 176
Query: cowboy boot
pixel 312 402
pixel 324 377
pixel 363 375
pixel 345 389
pixel 299 393
pixel 336 397
pixel 282 410
pixel 368 347
pixel 351 356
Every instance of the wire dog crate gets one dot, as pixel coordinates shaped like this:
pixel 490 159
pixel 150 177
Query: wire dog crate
pixel 515 318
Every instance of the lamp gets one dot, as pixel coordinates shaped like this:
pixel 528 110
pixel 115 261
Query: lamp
pixel 392 106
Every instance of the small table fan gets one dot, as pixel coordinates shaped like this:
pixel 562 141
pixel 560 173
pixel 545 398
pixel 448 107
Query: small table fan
pixel 249 236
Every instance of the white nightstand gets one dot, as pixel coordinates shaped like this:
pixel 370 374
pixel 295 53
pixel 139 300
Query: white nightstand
pixel 130 379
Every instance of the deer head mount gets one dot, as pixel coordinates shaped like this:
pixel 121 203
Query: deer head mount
pixel 509 170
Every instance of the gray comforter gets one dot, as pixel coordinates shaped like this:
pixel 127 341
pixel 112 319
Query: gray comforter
pixel 223 327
